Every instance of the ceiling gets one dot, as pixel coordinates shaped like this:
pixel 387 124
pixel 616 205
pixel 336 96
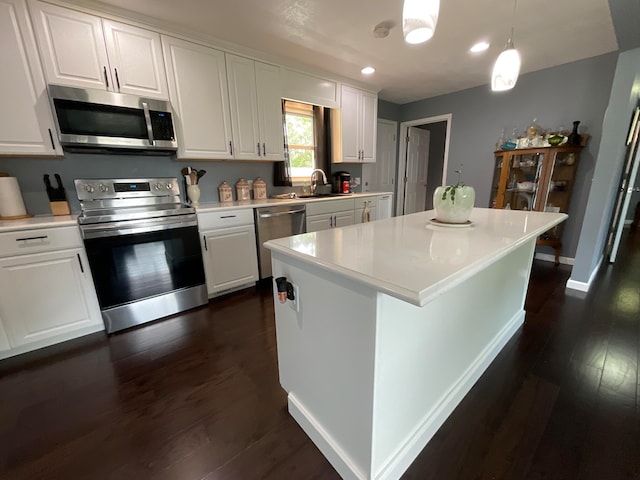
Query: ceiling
pixel 336 36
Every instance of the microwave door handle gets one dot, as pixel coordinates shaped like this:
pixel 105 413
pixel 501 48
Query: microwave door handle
pixel 147 119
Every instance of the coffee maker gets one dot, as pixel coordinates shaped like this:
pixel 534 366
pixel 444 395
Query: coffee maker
pixel 342 182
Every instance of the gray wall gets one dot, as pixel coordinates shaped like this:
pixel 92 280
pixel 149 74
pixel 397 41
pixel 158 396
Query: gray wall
pixel 555 96
pixel 625 94
pixel 29 172
pixel 388 110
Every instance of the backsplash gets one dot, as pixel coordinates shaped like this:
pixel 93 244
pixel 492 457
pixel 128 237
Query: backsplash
pixel 30 172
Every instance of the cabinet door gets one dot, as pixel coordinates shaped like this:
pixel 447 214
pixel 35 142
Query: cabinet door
pixel 135 57
pixel 26 123
pixel 350 121
pixel 244 108
pixel 72 46
pixel 342 219
pixel 315 223
pixel 369 119
pixel 45 295
pixel 197 80
pixel 270 111
pixel 230 258
pixel 358 212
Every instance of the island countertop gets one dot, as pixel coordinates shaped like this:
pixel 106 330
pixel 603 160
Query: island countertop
pixel 410 258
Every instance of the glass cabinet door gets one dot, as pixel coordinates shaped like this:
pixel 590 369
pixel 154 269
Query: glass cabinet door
pixel 523 179
pixel 494 201
pixel 562 173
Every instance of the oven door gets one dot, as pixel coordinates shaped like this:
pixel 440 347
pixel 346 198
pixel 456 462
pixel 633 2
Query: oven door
pixel 162 267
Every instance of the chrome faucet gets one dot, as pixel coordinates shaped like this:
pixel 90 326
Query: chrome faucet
pixel 314 180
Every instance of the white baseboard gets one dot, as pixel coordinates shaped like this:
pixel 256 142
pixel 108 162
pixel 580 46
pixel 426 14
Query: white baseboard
pixel 584 286
pixel 551 258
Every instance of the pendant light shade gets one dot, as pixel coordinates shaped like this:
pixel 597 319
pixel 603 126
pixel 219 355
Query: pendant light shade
pixel 419 19
pixel 506 69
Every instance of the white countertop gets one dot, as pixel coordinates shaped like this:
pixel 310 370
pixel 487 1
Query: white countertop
pixel 39 221
pixel 270 202
pixel 411 259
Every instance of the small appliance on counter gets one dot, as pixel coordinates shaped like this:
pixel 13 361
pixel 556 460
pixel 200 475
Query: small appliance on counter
pixel 11 203
pixel 342 182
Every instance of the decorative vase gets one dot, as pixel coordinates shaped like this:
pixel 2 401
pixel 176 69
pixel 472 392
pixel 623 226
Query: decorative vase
pixel 574 136
pixel 453 203
pixel 193 192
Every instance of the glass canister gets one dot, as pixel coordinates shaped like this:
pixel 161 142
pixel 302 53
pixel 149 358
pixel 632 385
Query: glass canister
pixel 225 191
pixel 259 189
pixel 243 190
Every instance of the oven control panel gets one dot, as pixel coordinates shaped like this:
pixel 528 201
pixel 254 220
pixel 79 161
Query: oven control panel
pixel 102 189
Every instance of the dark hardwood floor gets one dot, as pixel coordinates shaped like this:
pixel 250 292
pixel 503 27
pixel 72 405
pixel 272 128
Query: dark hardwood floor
pixel 197 397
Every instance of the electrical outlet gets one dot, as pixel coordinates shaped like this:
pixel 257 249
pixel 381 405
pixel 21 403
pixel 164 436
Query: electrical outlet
pixel 295 303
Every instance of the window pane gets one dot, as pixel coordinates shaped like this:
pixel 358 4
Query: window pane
pixel 301 158
pixel 299 129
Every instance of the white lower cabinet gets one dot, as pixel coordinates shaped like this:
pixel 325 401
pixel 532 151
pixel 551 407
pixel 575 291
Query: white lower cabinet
pixel 325 214
pixel 47 296
pixel 229 250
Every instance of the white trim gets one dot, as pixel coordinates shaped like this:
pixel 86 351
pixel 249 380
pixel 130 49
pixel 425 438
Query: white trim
pixel 584 286
pixel 402 155
pixel 547 257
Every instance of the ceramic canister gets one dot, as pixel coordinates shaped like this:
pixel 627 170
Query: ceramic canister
pixel 259 189
pixel 243 190
pixel 225 191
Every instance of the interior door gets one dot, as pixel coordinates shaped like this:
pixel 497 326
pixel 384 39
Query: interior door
pixel 415 186
pixel 627 181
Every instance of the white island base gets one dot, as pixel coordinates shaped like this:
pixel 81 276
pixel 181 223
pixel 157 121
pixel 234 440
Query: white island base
pixel 372 372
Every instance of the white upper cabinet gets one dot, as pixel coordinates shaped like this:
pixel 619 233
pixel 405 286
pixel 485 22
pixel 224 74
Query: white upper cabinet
pixel 354 127
pixel 26 122
pixel 135 57
pixel 198 91
pixel 85 51
pixel 256 109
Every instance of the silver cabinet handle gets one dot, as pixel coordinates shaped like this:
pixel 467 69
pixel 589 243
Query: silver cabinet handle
pixel 228 216
pixel 80 262
pixel 204 238
pixel 106 79
pixel 230 147
pixel 258 148
pixel 117 79
pixel 264 150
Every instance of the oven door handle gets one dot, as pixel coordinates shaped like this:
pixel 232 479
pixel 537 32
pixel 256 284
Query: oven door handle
pixel 132 228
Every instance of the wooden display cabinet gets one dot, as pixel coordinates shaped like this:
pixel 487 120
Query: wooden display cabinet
pixel 539 179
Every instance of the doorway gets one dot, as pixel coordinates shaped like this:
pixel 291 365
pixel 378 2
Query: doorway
pixel 431 170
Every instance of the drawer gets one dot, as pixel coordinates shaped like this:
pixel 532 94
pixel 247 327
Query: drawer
pixel 330 206
pixel 225 218
pixel 38 240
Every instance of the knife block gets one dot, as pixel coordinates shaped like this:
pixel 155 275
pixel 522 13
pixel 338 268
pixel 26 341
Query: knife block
pixel 60 208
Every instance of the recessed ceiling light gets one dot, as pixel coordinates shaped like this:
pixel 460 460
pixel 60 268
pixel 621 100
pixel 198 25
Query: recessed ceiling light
pixel 479 47
pixel 368 70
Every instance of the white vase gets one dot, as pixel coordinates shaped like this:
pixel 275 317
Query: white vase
pixel 193 192
pixel 453 208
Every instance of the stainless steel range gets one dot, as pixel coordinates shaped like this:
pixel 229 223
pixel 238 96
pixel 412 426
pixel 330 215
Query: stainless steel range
pixel 143 248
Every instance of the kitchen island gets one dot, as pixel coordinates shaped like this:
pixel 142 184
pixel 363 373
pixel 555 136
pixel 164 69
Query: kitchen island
pixel 392 324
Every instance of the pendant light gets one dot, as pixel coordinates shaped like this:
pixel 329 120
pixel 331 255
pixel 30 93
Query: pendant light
pixel 507 66
pixel 419 19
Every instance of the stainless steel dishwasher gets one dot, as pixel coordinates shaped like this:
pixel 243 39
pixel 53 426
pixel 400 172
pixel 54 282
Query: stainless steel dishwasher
pixel 277 222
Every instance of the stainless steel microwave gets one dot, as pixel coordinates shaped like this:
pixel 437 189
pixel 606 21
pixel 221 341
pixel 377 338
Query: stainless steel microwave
pixel 101 120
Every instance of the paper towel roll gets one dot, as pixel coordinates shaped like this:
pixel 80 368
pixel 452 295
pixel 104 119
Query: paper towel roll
pixel 11 203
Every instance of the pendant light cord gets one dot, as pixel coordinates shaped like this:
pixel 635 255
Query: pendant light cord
pixel 513 20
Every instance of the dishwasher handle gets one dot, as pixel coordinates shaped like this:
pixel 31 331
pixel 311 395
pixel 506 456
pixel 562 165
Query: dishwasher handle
pixel 280 214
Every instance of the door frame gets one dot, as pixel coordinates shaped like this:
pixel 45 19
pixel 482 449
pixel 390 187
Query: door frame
pixel 366 167
pixel 402 156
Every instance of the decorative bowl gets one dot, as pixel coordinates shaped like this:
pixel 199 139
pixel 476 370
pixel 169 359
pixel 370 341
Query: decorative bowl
pixel 508 146
pixel 555 140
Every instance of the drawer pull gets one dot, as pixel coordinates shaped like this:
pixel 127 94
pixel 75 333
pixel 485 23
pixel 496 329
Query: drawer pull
pixel 42 237
pixel 204 237
pixel 228 216
pixel 80 262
